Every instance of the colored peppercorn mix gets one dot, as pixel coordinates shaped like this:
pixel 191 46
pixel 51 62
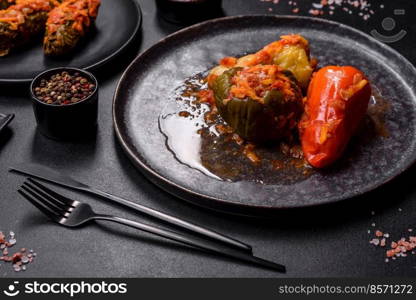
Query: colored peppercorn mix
pixel 64 88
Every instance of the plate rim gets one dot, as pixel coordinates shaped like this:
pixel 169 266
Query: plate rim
pixel 163 182
pixel 102 61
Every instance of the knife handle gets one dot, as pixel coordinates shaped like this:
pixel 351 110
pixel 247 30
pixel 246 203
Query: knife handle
pixel 175 221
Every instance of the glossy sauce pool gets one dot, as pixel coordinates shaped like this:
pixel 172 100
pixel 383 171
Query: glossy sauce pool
pixel 199 138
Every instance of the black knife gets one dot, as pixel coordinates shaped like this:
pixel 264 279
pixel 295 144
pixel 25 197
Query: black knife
pixel 52 176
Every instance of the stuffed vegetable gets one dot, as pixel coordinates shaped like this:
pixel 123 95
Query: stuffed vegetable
pixel 291 53
pixel 337 102
pixel 21 22
pixel 261 103
pixel 67 24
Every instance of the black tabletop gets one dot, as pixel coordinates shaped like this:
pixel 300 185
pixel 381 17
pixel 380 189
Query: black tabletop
pixel 324 241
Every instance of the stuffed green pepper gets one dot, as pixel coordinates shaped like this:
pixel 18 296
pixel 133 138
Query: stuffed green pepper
pixel 67 24
pixel 261 103
pixel 291 53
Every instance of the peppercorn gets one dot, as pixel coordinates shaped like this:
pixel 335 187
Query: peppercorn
pixel 64 88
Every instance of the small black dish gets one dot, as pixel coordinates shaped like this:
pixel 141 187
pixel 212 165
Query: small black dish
pixel 70 121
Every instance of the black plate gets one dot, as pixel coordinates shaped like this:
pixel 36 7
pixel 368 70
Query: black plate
pixel 147 86
pixel 117 24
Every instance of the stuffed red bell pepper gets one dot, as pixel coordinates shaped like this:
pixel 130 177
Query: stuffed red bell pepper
pixel 336 103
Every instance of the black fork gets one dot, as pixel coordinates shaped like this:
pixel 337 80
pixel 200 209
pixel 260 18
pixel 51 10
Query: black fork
pixel 72 213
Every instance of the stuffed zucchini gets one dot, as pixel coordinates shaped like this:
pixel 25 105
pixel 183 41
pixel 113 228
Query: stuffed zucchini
pixel 67 24
pixel 261 103
pixel 291 53
pixel 19 23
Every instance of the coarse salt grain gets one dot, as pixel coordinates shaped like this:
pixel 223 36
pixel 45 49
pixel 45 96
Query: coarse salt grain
pixel 375 242
pixel 378 233
pixel 361 8
pixel 399 248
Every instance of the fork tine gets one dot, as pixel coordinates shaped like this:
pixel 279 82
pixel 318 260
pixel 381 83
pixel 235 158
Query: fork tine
pixel 50 214
pixel 50 205
pixel 57 197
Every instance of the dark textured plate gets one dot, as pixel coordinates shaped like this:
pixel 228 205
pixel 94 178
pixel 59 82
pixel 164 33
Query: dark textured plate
pixel 117 24
pixel 147 85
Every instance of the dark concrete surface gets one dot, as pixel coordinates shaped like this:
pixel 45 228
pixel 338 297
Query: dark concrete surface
pixel 320 242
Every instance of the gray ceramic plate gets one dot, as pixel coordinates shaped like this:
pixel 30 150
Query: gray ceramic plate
pixel 147 85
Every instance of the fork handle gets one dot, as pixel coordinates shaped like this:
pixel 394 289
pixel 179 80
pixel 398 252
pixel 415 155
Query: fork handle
pixel 175 221
pixel 171 235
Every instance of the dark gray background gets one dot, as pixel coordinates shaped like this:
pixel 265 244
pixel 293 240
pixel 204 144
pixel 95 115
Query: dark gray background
pixel 324 241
